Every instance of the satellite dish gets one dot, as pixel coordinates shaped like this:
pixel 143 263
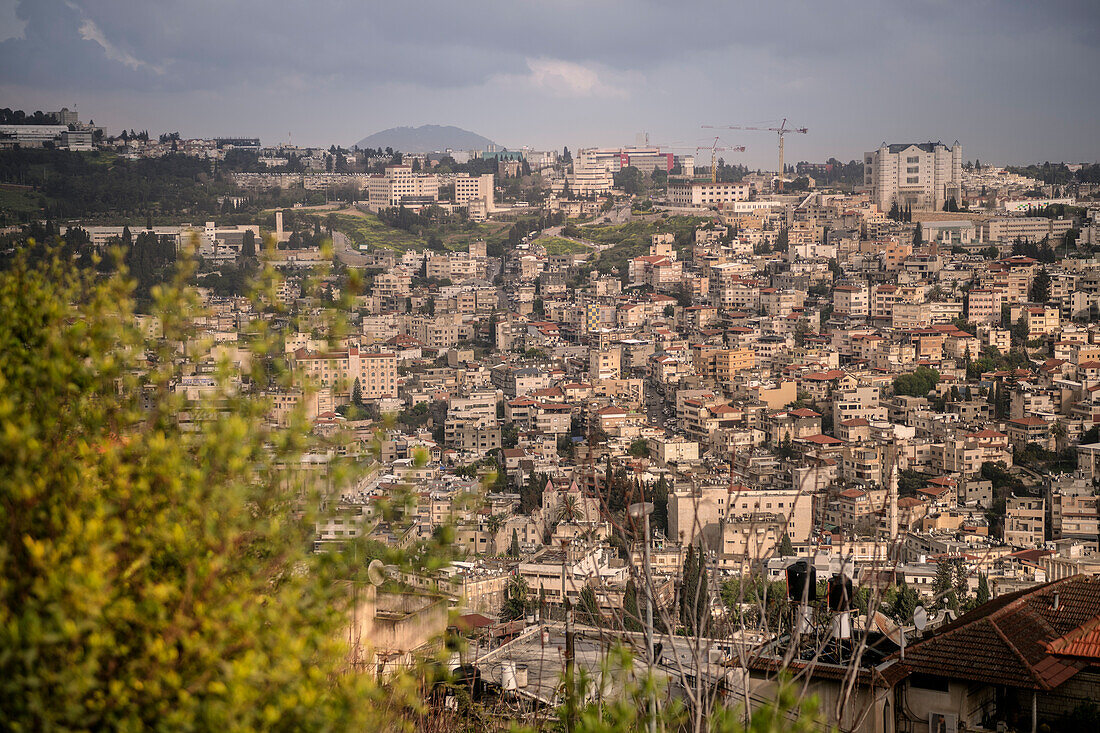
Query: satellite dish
pixel 887 627
pixel 920 618
pixel 376 572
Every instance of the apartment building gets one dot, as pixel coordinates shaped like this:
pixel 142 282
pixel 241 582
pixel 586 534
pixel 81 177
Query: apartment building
pixel 921 175
pixel 593 173
pixel 851 300
pixel 473 188
pixel 1075 518
pixel 1025 521
pixel 399 186
pixel 983 305
pixel 338 370
pixel 1042 321
pixel 728 362
pixel 701 513
pixel 605 363
pixel 780 303
pixel 1029 228
pixel 704 194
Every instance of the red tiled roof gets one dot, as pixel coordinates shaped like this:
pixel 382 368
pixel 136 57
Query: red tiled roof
pixel 1084 641
pixel 1007 641
pixel 1028 422
pixel 822 440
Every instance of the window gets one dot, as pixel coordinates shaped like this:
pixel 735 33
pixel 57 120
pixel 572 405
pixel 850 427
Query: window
pixel 913 159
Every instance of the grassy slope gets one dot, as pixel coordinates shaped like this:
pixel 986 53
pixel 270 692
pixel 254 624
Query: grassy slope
pixel 559 246
pixel 366 229
pixel 18 201
pixel 633 238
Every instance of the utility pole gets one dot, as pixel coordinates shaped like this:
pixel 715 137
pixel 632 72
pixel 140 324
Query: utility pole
pixel 570 649
pixel 642 511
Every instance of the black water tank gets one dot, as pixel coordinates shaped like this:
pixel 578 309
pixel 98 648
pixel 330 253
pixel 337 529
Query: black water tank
pixel 840 592
pixel 801 578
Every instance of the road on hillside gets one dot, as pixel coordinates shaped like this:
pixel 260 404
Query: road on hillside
pixel 345 251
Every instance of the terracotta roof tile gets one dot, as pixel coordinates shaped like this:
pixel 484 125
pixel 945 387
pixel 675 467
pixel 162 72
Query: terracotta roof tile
pixel 1008 640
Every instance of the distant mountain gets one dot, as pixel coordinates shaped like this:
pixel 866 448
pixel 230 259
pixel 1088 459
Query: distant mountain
pixel 426 139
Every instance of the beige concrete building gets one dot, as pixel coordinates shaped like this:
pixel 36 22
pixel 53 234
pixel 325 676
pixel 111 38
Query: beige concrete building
pixel 338 370
pixel 921 175
pixel 700 514
pixel 704 194
pixel 400 186
pixel 1025 521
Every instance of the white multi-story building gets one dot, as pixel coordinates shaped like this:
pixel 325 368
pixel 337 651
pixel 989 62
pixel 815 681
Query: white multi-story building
pixel 699 194
pixel 400 186
pixel 474 188
pixel 592 173
pixel 920 175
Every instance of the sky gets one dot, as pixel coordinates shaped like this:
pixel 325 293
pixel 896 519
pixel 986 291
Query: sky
pixel 1013 81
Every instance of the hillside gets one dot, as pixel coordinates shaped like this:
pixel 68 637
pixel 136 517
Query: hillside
pixel 426 139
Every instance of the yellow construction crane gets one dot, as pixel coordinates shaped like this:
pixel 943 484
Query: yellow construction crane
pixel 781 130
pixel 713 148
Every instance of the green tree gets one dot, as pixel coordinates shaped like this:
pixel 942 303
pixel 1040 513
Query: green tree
pixel 150 578
pixel 782 240
pixel 357 393
pixel 588 611
pixel 513 549
pixel 632 618
pixel 917 383
pixel 694 597
pixel 631 180
pixel 516 599
pixel 248 244
pixel 905 602
pixel 1040 287
pixel 786 549
pixel 943 585
pixel 639 448
pixel 983 589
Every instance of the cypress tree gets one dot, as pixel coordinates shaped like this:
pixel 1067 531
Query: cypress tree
pixel 786 549
pixel 983 589
pixel 632 619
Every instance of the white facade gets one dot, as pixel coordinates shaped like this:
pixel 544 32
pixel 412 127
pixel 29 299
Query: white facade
pixel 472 188
pixel 701 194
pixel 920 175
pixel 593 173
pixel 400 185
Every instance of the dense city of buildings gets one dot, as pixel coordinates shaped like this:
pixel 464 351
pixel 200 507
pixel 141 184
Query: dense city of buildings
pixel 896 379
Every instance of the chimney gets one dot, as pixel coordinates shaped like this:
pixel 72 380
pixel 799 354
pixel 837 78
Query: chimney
pixel 1057 605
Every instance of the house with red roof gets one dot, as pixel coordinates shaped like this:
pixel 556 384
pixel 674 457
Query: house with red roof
pixel 1023 660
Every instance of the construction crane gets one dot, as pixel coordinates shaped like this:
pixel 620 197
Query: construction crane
pixel 781 131
pixel 713 148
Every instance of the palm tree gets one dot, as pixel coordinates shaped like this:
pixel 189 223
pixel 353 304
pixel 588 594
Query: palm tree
pixel 570 509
